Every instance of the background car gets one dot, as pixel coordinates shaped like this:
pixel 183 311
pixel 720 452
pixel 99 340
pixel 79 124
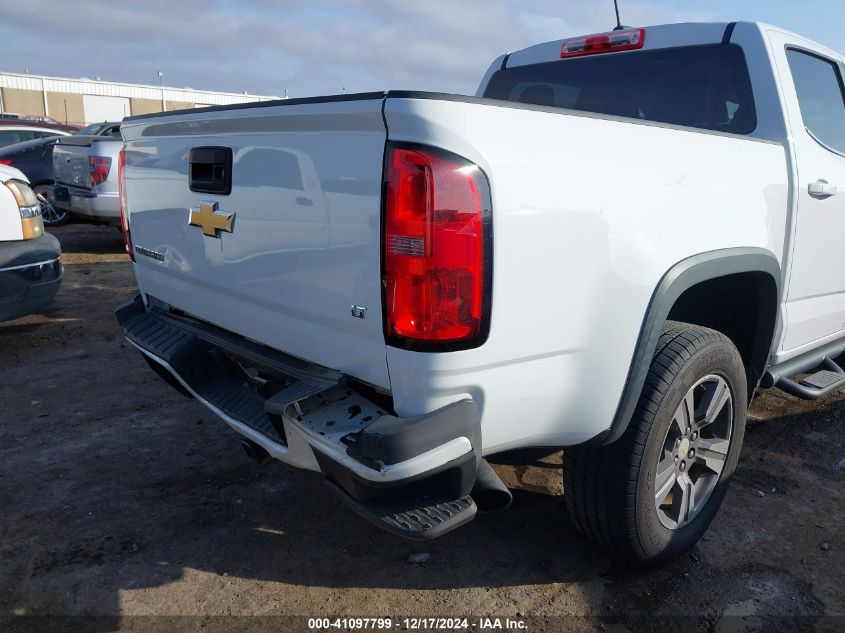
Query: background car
pixel 104 128
pixel 51 122
pixel 35 159
pixel 18 131
pixel 30 259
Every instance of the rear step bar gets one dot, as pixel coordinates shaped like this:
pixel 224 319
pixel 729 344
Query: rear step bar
pixel 430 514
pixel 175 341
pixel 827 377
pixel 425 517
pixel 414 477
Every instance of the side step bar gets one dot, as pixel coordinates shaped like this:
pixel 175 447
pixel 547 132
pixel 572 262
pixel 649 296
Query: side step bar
pixel 827 377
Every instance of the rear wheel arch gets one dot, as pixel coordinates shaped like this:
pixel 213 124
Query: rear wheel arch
pixel 750 277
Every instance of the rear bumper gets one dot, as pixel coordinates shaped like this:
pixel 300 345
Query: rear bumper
pixel 309 417
pixel 30 275
pixel 92 205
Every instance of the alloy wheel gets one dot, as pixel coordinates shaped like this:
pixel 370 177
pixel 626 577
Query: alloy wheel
pixel 694 452
pixel 51 215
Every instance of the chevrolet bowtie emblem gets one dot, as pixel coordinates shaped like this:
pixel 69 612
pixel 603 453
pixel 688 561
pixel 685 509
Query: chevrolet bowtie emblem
pixel 211 220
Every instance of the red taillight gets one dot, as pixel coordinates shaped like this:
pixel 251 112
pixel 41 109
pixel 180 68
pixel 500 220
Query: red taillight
pixel 437 256
pixel 124 211
pixel 624 40
pixel 100 166
pixel 5 161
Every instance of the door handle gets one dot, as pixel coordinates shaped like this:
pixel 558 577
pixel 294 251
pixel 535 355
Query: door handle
pixel 822 189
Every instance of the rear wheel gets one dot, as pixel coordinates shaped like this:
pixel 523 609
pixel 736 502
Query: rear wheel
pixel 52 215
pixel 650 495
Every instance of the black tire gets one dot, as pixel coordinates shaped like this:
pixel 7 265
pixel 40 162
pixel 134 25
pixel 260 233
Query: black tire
pixel 610 490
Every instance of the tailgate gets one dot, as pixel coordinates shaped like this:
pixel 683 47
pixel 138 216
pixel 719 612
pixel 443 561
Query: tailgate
pixel 301 263
pixel 70 162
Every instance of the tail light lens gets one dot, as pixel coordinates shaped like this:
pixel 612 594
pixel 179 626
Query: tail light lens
pixel 100 166
pixel 437 250
pixel 614 41
pixel 5 161
pixel 124 210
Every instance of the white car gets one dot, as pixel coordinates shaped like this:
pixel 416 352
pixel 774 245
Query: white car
pixel 30 259
pixel 11 133
pixel 608 249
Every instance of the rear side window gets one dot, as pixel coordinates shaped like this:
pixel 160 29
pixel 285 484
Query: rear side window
pixel 7 137
pixel 706 87
pixel 819 87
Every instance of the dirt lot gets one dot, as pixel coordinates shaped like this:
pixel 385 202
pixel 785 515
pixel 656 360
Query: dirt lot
pixel 121 498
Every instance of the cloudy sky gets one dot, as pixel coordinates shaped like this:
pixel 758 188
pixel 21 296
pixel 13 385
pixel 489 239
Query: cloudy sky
pixel 321 46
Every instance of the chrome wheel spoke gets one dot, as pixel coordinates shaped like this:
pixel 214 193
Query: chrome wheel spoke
pixel 721 395
pixel 664 483
pixel 685 414
pixel 686 506
pixel 712 453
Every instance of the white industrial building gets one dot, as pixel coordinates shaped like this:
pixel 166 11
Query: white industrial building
pixel 83 101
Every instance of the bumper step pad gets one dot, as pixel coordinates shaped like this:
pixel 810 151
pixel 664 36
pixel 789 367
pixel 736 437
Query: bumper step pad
pixel 198 354
pixel 425 517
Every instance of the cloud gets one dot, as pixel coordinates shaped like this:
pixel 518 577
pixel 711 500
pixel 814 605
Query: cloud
pixel 584 18
pixel 267 46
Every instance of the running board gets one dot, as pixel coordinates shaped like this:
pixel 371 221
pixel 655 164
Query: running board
pixel 827 377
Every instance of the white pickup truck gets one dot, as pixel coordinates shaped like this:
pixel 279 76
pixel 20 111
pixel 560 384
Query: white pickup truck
pixel 608 249
pixel 30 259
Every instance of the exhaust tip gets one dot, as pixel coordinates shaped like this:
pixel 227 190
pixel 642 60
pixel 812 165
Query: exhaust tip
pixel 489 493
pixel 255 452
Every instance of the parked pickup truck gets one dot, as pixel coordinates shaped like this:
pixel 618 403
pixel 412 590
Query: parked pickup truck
pixel 30 259
pixel 608 249
pixel 85 172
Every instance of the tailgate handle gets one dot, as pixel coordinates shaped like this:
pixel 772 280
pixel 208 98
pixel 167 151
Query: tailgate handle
pixel 210 170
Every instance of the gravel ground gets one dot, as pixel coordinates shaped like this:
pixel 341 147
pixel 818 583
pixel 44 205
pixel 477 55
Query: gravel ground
pixel 120 498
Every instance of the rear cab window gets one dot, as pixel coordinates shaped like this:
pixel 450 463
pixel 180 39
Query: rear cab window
pixel 706 87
